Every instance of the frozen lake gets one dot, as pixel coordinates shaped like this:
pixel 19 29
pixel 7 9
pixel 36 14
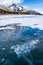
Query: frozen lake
pixel 25 20
pixel 21 40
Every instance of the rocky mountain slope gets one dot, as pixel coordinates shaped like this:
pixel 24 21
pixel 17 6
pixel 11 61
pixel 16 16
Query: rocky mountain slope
pixel 16 9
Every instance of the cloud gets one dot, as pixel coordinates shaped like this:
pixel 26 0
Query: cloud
pixel 10 1
pixel 18 1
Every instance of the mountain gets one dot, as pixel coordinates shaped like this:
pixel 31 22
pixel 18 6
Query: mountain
pixel 16 9
pixel 34 12
pixel 5 10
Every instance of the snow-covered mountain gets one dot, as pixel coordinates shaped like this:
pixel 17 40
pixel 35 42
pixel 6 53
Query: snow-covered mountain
pixel 16 9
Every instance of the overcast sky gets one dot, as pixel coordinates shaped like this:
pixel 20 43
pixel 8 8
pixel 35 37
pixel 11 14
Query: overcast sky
pixel 36 5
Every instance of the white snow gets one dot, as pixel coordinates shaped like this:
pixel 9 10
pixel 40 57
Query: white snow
pixel 25 20
pixel 6 28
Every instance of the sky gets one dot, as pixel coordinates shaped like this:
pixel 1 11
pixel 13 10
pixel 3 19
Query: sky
pixel 36 5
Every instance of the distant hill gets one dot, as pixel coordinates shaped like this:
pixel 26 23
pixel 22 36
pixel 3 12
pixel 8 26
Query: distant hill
pixel 16 9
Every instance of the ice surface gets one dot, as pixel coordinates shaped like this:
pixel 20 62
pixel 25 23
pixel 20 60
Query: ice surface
pixel 23 42
pixel 24 48
pixel 25 20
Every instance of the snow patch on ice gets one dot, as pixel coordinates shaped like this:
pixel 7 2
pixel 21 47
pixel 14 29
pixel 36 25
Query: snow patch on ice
pixel 25 20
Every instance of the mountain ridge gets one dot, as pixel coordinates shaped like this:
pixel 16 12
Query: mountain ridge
pixel 16 9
